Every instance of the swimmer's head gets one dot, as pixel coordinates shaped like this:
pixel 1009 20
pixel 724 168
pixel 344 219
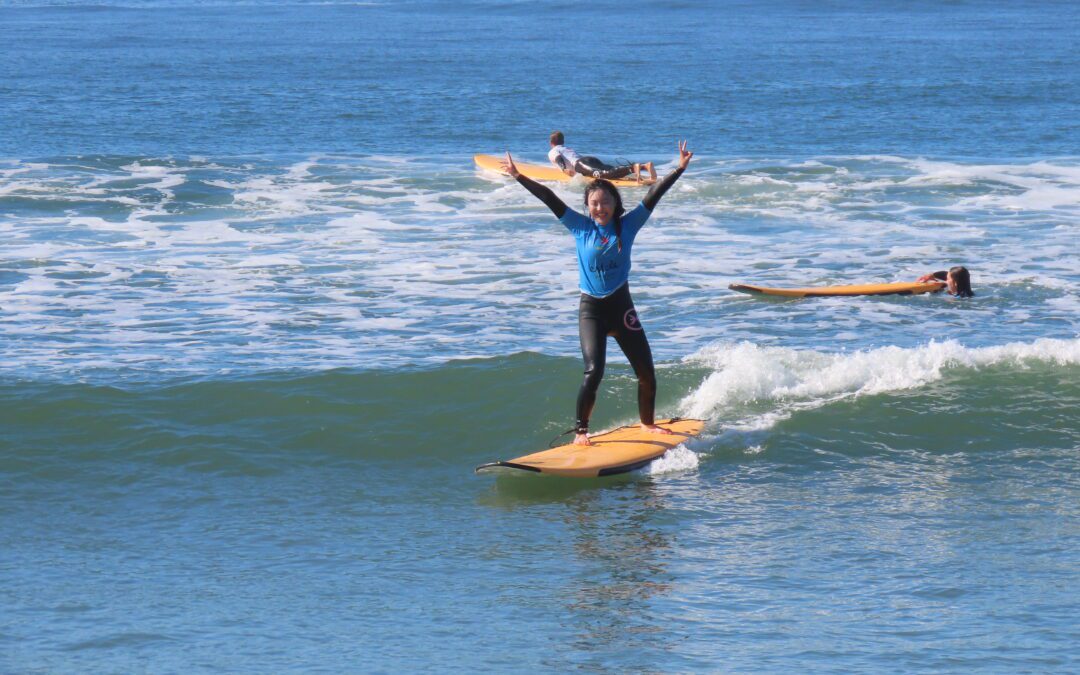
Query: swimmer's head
pixel 557 138
pixel 959 281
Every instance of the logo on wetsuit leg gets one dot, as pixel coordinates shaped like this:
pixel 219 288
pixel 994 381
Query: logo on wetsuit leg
pixel 630 319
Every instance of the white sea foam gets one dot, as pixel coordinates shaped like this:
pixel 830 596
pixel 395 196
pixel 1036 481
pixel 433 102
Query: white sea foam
pixel 795 378
pixel 680 458
pixel 332 261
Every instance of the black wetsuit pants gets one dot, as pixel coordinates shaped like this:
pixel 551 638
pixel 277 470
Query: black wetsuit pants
pixel 597 319
pixel 591 166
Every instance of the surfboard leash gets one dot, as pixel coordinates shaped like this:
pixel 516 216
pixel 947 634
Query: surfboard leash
pixel 551 443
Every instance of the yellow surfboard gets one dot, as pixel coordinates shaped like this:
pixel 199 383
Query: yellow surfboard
pixel 903 288
pixel 541 172
pixel 618 451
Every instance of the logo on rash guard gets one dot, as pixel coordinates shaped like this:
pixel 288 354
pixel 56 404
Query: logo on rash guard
pixel 630 319
pixel 601 266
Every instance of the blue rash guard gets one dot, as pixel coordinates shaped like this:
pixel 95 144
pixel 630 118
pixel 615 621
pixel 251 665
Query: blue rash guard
pixel 602 267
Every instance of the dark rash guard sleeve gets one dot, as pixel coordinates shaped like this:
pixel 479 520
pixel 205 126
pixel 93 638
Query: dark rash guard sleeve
pixel 652 198
pixel 544 194
pixel 941 276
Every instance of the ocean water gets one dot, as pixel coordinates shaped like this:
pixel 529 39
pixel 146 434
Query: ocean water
pixel 260 317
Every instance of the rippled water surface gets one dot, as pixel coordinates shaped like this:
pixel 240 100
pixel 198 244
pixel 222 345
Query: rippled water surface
pixel 260 317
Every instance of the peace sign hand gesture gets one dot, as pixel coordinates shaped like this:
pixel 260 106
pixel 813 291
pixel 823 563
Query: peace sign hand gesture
pixel 509 166
pixel 684 155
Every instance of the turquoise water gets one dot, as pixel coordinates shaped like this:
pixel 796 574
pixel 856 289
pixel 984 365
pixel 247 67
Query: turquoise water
pixel 260 317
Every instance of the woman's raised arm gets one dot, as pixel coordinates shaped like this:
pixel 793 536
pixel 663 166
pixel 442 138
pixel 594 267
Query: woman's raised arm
pixel 652 198
pixel 542 193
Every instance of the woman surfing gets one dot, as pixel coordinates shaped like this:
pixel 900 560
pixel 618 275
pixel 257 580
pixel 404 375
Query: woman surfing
pixel 604 240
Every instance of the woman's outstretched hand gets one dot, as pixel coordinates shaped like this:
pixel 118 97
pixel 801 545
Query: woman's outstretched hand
pixel 684 155
pixel 509 166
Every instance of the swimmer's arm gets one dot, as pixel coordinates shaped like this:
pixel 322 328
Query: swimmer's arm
pixel 562 165
pixel 542 193
pixel 936 276
pixel 652 198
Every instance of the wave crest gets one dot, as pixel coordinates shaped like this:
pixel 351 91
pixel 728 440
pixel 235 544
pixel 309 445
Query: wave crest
pixel 746 372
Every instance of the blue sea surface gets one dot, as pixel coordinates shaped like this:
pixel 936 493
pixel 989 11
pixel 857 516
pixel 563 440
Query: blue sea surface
pixel 261 315
pixel 979 79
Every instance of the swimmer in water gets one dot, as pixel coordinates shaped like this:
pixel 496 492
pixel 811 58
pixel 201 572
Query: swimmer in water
pixel 604 239
pixel 957 281
pixel 572 164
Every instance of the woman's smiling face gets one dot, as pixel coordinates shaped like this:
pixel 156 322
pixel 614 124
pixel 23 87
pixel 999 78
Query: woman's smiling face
pixel 601 207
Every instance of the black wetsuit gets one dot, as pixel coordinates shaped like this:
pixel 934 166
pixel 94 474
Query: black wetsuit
pixel 616 316
pixel 611 315
pixel 591 166
pixel 595 168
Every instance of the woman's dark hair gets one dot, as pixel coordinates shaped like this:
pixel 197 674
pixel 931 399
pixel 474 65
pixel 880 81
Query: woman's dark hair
pixel 613 192
pixel 962 278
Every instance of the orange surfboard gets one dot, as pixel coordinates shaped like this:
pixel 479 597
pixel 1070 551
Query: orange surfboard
pixel 541 172
pixel 904 288
pixel 613 452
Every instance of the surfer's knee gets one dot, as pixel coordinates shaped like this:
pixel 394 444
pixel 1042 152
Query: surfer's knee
pixel 593 374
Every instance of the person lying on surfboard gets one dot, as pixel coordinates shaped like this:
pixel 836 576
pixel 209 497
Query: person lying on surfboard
pixel 570 163
pixel 604 239
pixel 957 280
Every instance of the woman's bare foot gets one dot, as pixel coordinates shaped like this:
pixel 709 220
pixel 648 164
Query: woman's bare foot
pixel 653 429
pixel 582 439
